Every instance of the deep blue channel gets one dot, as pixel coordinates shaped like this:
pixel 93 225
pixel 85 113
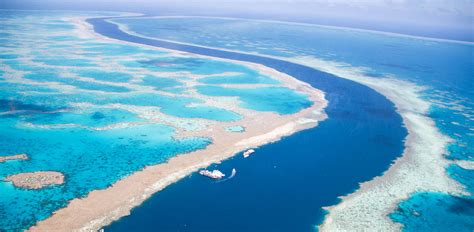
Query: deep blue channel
pixel 283 186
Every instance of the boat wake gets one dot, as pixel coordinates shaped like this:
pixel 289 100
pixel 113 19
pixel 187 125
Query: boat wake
pixel 230 177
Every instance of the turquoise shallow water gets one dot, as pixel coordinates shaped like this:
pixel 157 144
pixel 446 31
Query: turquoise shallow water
pixel 89 118
pixel 193 65
pixel 118 152
pixel 451 213
pixel 276 99
pixel 79 110
pixel 88 159
pixel 270 183
pixel 445 69
pixel 235 128
pixel 160 83
pixel 104 76
pixel 239 79
pixel 63 61
pixel 49 76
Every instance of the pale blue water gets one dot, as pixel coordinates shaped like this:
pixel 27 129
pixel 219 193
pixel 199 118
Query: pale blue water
pixel 104 75
pixel 436 212
pixel 276 99
pixel 161 83
pixel 200 66
pixel 49 76
pixel 271 183
pixel 63 61
pixel 235 128
pixel 88 159
pixel 100 158
pixel 453 213
pixel 89 117
pixel 446 69
pixel 239 79
pixel 58 89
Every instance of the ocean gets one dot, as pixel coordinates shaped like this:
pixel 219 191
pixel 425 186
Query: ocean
pixel 359 140
pixel 442 70
pixel 97 110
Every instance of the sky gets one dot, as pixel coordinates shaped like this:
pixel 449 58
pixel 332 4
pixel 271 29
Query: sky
pixel 448 19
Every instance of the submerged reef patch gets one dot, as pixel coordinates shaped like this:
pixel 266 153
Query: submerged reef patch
pixel 100 111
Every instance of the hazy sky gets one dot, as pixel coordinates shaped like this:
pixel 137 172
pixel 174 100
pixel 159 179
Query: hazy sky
pixel 452 19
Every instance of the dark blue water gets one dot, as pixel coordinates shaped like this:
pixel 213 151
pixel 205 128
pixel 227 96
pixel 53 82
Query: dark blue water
pixel 445 69
pixel 284 185
pixel 96 143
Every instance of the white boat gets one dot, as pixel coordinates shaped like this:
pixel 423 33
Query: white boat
pixel 248 152
pixel 215 174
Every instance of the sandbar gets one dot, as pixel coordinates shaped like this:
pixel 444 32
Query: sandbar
pixel 36 180
pixel 101 207
pixel 420 168
pixel 13 157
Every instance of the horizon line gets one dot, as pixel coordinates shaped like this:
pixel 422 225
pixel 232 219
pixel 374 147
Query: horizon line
pixel 357 29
